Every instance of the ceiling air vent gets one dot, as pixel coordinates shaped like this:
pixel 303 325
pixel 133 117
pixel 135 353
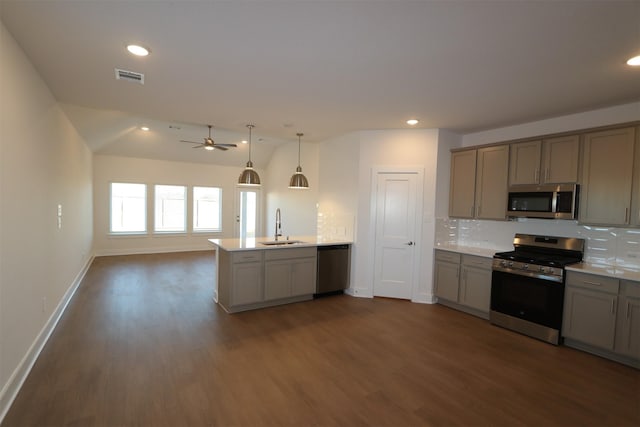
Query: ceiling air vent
pixel 130 76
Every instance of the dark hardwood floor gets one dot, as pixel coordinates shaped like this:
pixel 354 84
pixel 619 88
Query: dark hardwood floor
pixel 143 344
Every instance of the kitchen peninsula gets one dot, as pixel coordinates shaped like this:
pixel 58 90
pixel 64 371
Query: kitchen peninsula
pixel 261 272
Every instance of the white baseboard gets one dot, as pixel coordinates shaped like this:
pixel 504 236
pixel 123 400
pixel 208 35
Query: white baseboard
pixel 152 250
pixel 19 375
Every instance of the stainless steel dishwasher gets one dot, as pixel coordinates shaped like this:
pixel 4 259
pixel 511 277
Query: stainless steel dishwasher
pixel 334 268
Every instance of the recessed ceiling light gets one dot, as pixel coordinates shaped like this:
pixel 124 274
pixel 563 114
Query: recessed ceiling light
pixel 144 128
pixel 412 122
pixel 244 141
pixel 138 50
pixel 634 62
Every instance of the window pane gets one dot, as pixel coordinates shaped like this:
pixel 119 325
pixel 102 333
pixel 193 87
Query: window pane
pixel 248 210
pixel 207 209
pixel 170 208
pixel 128 208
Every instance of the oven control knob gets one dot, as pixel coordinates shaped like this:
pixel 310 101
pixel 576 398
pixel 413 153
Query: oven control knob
pixel 525 267
pixel 543 269
pixel 503 263
pixel 510 263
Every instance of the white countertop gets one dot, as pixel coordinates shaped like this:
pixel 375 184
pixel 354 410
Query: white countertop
pixel 255 243
pixel 471 250
pixel 605 270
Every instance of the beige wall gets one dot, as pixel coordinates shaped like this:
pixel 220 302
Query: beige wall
pixel 109 169
pixel 297 207
pixel 43 163
pixel 346 167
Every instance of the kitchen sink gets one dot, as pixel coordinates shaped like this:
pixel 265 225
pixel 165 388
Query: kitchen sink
pixel 281 242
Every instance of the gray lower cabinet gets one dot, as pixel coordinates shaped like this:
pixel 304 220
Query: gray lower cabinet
pixel 475 283
pixel 261 278
pixel 247 277
pixel 463 282
pixel 289 272
pixel 628 324
pixel 447 273
pixel 602 316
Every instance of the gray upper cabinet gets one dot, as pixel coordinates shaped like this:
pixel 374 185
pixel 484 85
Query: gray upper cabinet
pixel 607 166
pixel 634 217
pixel 463 184
pixel 560 159
pixel 524 162
pixel 479 183
pixel 491 182
pixel 548 161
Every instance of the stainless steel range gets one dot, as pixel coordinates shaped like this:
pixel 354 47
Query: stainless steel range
pixel 527 284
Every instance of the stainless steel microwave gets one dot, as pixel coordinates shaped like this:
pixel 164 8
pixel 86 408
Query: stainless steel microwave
pixel 555 201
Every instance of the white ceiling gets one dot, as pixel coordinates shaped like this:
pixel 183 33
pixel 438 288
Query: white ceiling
pixel 321 67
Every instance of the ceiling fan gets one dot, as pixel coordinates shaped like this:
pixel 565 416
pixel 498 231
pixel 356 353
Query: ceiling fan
pixel 209 143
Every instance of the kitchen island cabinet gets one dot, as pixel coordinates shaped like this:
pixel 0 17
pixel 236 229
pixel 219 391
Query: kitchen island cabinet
pixel 246 274
pixel 256 273
pixel 289 273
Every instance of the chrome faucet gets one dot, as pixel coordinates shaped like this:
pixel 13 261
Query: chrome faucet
pixel 278 224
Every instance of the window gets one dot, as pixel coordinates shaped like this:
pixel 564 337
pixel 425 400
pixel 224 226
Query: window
pixel 171 205
pixel 128 208
pixel 207 209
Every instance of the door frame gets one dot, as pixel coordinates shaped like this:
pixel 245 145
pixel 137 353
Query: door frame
pixel 373 214
pixel 236 209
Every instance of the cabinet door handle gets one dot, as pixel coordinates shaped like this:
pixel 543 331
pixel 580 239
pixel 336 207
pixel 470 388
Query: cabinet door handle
pixel 546 175
pixel 613 306
pixel 591 283
pixel 479 210
pixel 626 215
pixel 628 310
pixel 473 209
pixel 536 175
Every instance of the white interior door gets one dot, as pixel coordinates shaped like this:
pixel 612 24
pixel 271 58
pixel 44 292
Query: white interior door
pixel 247 213
pixel 397 202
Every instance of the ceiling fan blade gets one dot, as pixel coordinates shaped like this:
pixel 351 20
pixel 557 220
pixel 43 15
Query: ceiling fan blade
pixel 198 146
pixel 191 142
pixel 226 145
pixel 220 147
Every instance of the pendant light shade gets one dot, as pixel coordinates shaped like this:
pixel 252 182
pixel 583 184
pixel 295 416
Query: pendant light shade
pixel 249 177
pixel 298 180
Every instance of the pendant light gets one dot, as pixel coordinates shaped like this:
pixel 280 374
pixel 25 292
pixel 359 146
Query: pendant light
pixel 298 180
pixel 249 177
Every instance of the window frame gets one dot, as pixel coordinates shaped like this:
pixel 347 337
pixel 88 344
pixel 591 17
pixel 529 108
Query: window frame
pixel 185 225
pixel 144 216
pixel 194 230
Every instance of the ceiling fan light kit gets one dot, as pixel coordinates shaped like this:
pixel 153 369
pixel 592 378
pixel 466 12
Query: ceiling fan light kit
pixel 249 177
pixel 298 181
pixel 209 144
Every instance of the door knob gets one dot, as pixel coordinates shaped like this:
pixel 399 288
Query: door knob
pixel 410 243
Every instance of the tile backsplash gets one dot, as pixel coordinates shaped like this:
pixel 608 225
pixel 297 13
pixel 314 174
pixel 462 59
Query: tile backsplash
pixel 604 245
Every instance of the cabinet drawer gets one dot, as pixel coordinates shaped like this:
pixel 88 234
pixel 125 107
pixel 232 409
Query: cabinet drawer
pixel 593 282
pixel 246 256
pixel 630 289
pixel 447 256
pixel 477 261
pixel 289 253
